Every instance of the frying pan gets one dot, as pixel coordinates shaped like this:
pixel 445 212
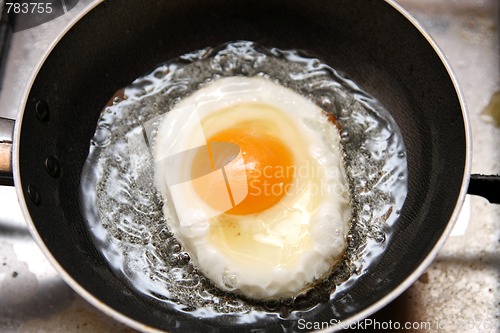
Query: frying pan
pixel 374 42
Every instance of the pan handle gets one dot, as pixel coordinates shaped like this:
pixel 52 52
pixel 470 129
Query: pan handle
pixel 487 186
pixel 6 134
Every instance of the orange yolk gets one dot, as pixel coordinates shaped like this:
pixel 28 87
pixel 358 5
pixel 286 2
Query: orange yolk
pixel 268 166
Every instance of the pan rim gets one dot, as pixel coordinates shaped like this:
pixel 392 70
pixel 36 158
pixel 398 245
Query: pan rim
pixel 379 304
pixel 410 279
pixel 90 298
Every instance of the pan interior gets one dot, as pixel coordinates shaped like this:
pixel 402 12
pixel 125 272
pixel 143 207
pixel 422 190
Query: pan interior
pixel 119 41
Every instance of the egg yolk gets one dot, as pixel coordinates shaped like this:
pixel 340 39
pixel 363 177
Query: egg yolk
pixel 267 162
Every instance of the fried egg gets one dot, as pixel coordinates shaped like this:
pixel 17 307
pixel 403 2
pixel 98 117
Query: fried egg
pixel 254 186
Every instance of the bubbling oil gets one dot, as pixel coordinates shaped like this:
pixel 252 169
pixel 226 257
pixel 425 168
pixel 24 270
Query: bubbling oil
pixel 123 209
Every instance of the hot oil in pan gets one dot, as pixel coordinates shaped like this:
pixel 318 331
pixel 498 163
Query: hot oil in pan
pixel 124 210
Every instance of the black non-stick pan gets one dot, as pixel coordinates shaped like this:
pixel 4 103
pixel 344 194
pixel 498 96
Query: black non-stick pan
pixel 374 42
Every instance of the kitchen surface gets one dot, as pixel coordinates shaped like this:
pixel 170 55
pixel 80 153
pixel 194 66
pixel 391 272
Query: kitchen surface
pixel 459 292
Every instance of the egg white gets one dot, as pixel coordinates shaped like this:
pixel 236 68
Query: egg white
pixel 280 251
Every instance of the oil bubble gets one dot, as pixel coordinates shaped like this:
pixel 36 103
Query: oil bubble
pixel 101 137
pixel 345 135
pixel 184 257
pixel 229 280
pixel 272 305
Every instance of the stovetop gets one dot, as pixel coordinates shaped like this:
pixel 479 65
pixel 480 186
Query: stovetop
pixel 458 293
